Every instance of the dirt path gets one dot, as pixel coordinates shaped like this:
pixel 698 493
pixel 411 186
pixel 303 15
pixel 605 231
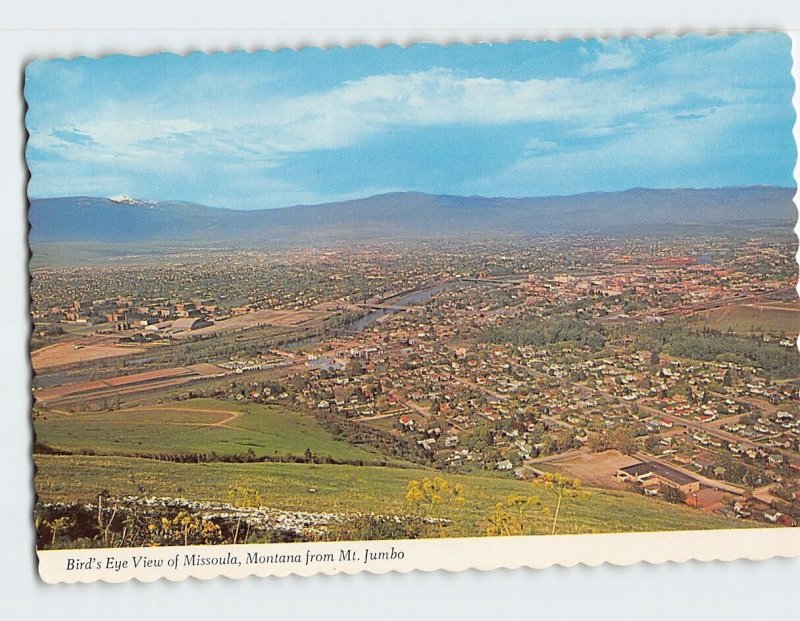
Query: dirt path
pixel 763 307
pixel 233 415
pixel 557 456
pixel 717 424
pixel 377 417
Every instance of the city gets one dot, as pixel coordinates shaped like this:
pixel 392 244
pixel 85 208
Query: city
pixel 661 367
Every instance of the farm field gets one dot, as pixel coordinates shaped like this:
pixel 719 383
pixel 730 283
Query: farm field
pixel 350 489
pixel 775 319
pixel 121 384
pixel 194 426
pixel 78 351
pixel 256 319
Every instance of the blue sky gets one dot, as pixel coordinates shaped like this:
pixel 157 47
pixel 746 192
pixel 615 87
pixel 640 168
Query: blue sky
pixel 270 129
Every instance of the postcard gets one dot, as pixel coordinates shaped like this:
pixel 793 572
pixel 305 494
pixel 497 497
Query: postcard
pixel 414 308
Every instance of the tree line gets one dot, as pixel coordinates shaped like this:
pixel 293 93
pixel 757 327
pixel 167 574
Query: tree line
pixel 538 332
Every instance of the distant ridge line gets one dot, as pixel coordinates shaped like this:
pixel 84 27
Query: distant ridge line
pixel 408 215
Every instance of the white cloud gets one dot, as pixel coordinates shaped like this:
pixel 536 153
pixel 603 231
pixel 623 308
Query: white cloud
pixel 537 145
pixel 124 132
pixel 615 55
pixel 612 61
pixel 242 133
pixel 341 116
pixel 667 144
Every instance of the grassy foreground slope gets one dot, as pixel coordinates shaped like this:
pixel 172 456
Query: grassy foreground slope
pixel 195 426
pixel 350 489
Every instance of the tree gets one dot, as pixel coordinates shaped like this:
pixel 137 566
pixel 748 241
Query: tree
pixel 622 439
pixel 651 444
pixel 564 487
pixel 731 377
pixel 673 494
pixel 354 367
pixel 597 442
pixel 655 358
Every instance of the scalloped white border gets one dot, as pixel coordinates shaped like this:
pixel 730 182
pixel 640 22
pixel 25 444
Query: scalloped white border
pixel 620 549
pixel 484 553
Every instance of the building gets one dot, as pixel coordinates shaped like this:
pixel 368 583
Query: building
pixel 407 422
pixel 190 323
pixel 647 472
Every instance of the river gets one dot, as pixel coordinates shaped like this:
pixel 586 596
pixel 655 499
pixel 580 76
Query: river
pixel 406 299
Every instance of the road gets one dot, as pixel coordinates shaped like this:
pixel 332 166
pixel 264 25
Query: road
pixel 763 494
pixel 411 405
pixel 708 428
pixel 743 298
pixel 716 433
pixel 363 419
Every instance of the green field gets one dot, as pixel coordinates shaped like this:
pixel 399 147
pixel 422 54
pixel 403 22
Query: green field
pixel 752 319
pixel 347 489
pixel 195 426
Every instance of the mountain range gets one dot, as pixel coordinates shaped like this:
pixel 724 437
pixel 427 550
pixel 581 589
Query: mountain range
pixel 123 219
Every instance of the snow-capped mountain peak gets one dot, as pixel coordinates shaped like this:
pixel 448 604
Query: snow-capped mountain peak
pixel 130 200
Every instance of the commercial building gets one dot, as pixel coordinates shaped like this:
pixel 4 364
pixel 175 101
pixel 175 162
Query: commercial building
pixel 653 471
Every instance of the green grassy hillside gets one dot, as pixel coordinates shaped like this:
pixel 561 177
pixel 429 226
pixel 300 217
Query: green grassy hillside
pixel 347 489
pixel 195 426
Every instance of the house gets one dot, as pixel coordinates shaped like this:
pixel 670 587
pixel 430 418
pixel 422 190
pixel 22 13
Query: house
pixel 406 422
pixel 703 461
pixel 504 465
pixel 652 426
pixel 741 510
pixel 427 444
pixel 525 473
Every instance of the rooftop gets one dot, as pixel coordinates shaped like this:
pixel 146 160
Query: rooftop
pixel 661 470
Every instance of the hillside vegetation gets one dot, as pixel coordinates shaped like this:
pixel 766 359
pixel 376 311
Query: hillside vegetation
pixel 202 427
pixel 353 489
